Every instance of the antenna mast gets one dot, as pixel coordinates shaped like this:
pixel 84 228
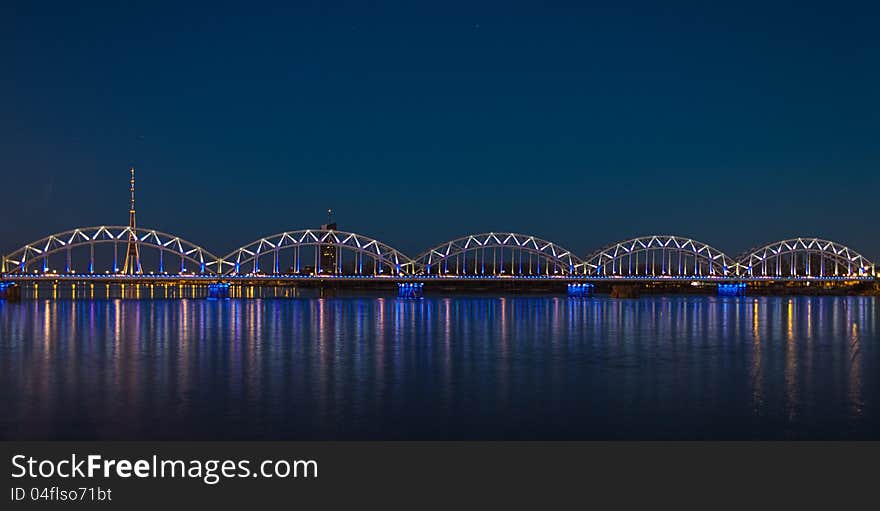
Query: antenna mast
pixel 132 255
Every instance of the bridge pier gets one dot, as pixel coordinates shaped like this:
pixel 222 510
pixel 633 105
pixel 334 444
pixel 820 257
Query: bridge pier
pixel 731 289
pixel 580 290
pixel 10 291
pixel 218 291
pixel 325 291
pixel 624 291
pixel 410 290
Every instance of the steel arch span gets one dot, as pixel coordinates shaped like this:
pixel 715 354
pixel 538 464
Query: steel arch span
pixel 328 249
pixel 42 250
pixel 659 256
pixel 484 254
pixel 804 258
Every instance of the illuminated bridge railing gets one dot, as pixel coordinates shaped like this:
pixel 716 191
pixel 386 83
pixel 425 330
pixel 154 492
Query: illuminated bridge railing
pixel 498 254
pixel 98 252
pixel 101 250
pixel 659 256
pixel 804 257
pixel 314 251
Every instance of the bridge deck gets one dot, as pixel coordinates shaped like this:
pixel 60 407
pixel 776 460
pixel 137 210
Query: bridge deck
pixel 205 279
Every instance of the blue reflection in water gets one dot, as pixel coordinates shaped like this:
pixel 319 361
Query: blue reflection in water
pixel 462 368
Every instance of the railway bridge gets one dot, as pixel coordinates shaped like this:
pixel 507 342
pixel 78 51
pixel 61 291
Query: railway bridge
pixel 134 254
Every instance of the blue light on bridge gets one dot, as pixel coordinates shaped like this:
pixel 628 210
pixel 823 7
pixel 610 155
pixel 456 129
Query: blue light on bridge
pixel 580 290
pixel 732 289
pixel 218 291
pixel 9 291
pixel 410 290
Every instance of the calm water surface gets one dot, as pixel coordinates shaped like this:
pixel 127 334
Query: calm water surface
pixel 441 368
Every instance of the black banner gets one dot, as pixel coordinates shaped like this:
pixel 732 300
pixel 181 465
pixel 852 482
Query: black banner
pixel 289 475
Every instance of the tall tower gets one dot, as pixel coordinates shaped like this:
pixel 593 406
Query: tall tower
pixel 329 252
pixel 132 255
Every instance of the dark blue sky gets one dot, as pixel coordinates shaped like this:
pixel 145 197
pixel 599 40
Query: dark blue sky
pixel 583 125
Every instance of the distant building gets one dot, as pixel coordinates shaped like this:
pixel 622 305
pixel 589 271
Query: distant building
pixel 328 252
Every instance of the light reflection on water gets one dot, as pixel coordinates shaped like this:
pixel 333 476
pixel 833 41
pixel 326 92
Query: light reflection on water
pixel 460 367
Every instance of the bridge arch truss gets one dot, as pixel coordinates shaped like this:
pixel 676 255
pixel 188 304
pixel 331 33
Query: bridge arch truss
pixel 327 251
pixel 498 254
pixel 192 258
pixel 659 256
pixel 804 258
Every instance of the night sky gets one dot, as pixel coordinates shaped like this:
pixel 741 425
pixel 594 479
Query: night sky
pixel 418 123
